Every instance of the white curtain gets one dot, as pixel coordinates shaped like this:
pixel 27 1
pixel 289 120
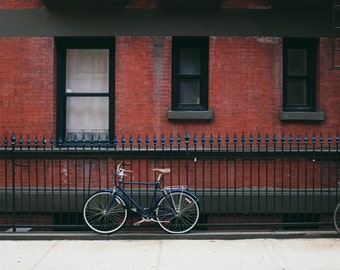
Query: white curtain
pixel 87 71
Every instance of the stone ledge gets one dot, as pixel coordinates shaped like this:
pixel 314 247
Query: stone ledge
pixel 302 116
pixel 190 115
pixel 80 4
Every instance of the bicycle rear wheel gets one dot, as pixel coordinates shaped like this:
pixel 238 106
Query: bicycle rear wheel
pixel 102 218
pixel 337 218
pixel 177 212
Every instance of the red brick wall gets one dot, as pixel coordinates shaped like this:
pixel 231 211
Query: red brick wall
pixel 245 84
pixel 245 80
pixel 245 88
pixel 21 4
pixel 27 96
pixel 143 84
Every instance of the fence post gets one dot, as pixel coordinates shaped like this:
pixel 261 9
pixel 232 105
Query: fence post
pixel 187 138
pixel 13 139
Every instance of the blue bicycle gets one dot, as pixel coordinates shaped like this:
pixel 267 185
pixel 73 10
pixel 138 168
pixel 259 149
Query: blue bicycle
pixel 176 209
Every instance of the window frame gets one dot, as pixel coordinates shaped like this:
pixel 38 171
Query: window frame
pixel 62 45
pixel 201 43
pixel 310 44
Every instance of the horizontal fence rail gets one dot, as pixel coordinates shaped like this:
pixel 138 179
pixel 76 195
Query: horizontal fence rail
pixel 254 182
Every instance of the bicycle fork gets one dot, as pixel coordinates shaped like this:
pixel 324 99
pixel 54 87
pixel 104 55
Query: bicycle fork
pixel 112 202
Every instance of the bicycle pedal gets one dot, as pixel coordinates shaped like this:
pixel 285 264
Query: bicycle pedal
pixel 136 224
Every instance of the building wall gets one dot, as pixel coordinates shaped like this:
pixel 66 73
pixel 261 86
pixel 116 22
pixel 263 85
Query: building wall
pixel 245 83
pixel 27 96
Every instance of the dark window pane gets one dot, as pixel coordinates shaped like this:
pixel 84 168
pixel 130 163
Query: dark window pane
pixel 297 92
pixel 297 62
pixel 190 61
pixel 189 91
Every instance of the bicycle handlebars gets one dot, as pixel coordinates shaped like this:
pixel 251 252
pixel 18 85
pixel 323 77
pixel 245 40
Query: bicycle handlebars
pixel 121 171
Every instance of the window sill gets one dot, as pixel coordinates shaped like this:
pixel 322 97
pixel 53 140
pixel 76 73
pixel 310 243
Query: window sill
pixel 190 115
pixel 57 4
pixel 189 3
pixel 302 116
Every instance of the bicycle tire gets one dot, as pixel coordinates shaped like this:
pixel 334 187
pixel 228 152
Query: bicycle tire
pixel 101 220
pixel 177 212
pixel 337 218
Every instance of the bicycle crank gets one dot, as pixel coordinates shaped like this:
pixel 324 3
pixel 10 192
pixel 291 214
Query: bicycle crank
pixel 138 223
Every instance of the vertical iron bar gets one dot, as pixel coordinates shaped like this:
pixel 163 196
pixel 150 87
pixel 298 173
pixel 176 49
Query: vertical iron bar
pixel 171 140
pixel 219 178
pixel 29 177
pixel 147 167
pixel 6 179
pixel 45 181
pixel 251 140
pixel 313 176
pixel 274 175
pixel 235 177
pixel 290 141
pixel 52 174
pixel 203 171
pixel 36 156
pixel 195 162
pixel 179 160
pixel 321 173
pixel 267 182
pixel 329 210
pixel 282 174
pixel 258 176
pixel 227 177
pixel 21 180
pixel 243 176
pixel 211 140
pixel 187 138
pixel 13 139
pixel 306 176
pixel 337 139
pixel 298 140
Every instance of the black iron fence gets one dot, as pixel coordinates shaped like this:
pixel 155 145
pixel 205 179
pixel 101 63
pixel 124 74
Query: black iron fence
pixel 254 182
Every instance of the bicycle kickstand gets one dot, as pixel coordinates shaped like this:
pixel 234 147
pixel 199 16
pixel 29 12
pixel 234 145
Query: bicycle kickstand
pixel 138 223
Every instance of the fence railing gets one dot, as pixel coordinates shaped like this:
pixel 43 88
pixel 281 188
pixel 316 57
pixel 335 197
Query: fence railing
pixel 254 182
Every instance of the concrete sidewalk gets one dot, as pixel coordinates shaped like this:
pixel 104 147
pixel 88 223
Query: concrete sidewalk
pixel 259 253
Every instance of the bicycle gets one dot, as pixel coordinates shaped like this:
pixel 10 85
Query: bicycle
pixel 336 218
pixel 176 209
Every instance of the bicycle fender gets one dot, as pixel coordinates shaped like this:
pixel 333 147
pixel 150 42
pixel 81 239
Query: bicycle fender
pixel 117 194
pixel 183 191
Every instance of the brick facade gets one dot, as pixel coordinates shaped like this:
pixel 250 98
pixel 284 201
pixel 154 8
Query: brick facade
pixel 245 83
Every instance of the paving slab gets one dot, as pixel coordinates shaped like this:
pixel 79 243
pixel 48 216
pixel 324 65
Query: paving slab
pixel 261 253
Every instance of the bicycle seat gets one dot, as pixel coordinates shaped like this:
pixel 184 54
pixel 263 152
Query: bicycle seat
pixel 162 171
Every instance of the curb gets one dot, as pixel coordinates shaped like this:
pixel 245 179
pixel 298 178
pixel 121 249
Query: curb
pixel 223 235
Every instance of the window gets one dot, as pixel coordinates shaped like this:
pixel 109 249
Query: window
pixel 190 74
pixel 85 71
pixel 299 74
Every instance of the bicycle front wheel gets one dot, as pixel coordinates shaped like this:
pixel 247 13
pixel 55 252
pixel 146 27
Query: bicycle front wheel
pixel 177 212
pixel 337 218
pixel 103 215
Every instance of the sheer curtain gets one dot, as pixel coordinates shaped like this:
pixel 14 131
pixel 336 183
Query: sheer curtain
pixel 87 92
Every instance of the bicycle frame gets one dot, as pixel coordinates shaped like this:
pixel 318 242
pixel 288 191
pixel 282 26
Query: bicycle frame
pixel 144 212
